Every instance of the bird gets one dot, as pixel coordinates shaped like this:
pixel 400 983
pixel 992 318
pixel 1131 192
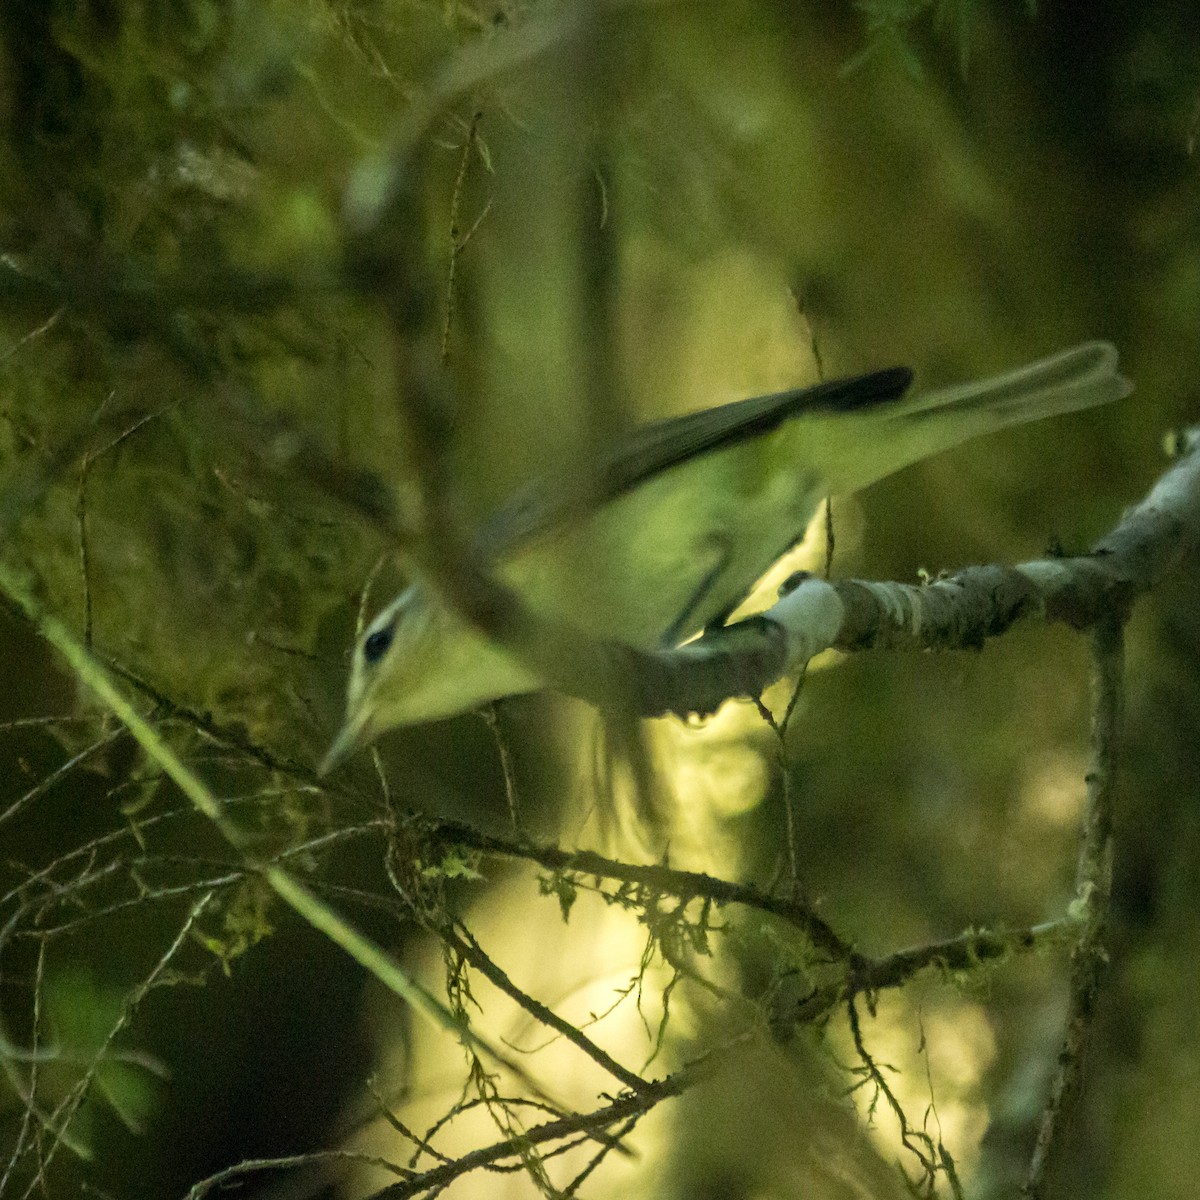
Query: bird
pixel 665 534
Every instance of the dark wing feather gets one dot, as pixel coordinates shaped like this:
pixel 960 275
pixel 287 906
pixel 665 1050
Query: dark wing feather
pixel 661 445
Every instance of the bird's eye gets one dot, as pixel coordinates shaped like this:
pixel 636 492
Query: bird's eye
pixel 377 643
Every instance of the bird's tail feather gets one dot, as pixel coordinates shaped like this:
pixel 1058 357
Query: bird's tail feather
pixel 1081 377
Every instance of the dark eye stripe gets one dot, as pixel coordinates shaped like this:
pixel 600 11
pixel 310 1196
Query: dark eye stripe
pixel 377 643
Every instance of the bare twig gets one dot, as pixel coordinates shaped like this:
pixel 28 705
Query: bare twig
pixel 32 1120
pixel 594 1122
pixel 491 716
pixel 457 936
pixel 1093 882
pixel 313 1159
pixel 916 1141
pixel 60 773
pixel 60 1120
pixel 459 239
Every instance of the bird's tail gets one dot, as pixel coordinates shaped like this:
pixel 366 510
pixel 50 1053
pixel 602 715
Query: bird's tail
pixel 912 429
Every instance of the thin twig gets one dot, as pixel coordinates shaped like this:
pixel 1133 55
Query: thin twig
pixel 491 716
pixel 683 884
pixel 459 240
pixel 601 1154
pixel 60 773
pixel 61 1118
pixel 32 1121
pixel 40 331
pixel 461 939
pixel 1093 884
pixel 916 1141
pixel 291 1162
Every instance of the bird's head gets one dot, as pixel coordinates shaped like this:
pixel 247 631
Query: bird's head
pixel 418 661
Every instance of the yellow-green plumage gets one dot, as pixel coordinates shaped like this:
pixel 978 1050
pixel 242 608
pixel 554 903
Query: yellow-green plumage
pixel 671 531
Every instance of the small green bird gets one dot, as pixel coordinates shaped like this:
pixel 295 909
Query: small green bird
pixel 669 533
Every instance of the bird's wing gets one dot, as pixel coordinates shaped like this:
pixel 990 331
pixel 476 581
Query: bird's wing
pixel 657 447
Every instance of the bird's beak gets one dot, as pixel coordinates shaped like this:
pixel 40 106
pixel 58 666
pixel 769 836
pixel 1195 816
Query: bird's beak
pixel 353 735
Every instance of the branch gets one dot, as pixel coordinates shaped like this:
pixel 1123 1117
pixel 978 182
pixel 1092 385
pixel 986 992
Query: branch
pixel 980 602
pixel 741 660
pixel 959 611
pixel 457 936
pixel 684 885
pixel 593 1123
pixel 1093 885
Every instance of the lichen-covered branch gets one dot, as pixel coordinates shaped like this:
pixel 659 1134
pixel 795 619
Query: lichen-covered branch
pixel 963 609
pixel 684 885
pixel 958 611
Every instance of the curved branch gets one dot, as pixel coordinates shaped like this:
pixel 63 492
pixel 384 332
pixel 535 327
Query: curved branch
pixel 956 612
